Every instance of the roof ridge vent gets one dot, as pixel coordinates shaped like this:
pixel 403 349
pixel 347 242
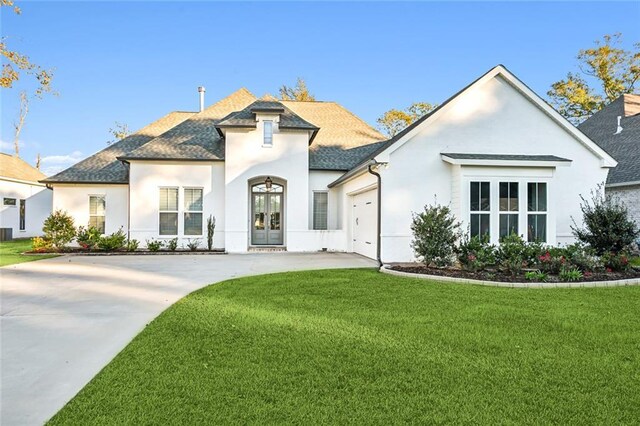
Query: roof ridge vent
pixel 619 128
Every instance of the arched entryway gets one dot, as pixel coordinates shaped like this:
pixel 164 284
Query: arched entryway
pixel 267 213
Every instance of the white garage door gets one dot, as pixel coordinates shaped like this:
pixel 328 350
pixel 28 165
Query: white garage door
pixel 365 223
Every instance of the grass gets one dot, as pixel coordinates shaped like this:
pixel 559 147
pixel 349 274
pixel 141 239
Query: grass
pixel 11 252
pixel 360 347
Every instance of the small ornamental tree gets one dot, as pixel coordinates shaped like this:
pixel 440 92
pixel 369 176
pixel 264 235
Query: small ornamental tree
pixel 607 226
pixel 59 229
pixel 435 235
pixel 211 227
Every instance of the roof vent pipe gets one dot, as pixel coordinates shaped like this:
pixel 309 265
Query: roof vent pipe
pixel 619 129
pixel 201 90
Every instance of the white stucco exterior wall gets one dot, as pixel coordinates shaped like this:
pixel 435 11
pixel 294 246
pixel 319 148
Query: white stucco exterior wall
pixel 38 202
pixel 491 118
pixel 147 177
pixel 74 199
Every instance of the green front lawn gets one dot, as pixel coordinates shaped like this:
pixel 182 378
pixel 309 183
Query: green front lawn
pixel 360 347
pixel 11 252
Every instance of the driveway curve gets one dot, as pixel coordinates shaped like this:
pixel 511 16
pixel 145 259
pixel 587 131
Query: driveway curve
pixel 64 319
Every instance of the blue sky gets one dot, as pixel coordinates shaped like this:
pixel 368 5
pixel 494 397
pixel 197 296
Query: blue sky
pixel 133 62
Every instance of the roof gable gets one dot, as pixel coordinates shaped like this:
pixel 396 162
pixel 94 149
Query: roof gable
pixel 522 89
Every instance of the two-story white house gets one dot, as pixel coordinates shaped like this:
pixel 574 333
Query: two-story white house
pixel 309 176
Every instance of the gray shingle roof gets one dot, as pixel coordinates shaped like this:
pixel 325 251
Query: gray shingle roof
pixel 103 167
pixel 341 139
pixel 197 137
pixel 505 157
pixel 247 117
pixel 624 146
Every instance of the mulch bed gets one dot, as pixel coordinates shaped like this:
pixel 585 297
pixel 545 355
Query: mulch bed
pixel 495 275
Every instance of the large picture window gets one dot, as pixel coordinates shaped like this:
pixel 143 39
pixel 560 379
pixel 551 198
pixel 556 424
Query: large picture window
pixel 320 207
pixel 508 208
pixel 480 209
pixel 537 211
pixel 193 211
pixel 168 211
pixel 97 208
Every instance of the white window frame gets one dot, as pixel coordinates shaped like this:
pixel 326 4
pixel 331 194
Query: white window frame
pixel 186 211
pixel 480 212
pixel 313 211
pixel 177 211
pixel 510 212
pixel 537 212
pixel 103 215
pixel 267 137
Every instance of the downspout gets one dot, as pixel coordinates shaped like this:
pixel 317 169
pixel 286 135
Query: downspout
pixel 128 167
pixel 378 238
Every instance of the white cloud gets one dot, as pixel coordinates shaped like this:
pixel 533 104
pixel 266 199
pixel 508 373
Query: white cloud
pixel 52 164
pixel 7 146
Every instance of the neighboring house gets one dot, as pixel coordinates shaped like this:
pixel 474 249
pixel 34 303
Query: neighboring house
pixel 616 128
pixel 25 202
pixel 310 176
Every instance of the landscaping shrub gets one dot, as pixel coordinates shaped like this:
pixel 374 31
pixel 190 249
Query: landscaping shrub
pixel 535 276
pixel 584 258
pixel 154 245
pixel 476 253
pixel 512 254
pixel 132 245
pixel 616 262
pixel 40 244
pixel 435 235
pixel 552 261
pixel 172 244
pixel 608 227
pixel 193 244
pixel 211 227
pixel 112 242
pixel 87 237
pixel 567 274
pixel 59 229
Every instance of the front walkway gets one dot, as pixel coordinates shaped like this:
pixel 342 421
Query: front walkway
pixel 64 319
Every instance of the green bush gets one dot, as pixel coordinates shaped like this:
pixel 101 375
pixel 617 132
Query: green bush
pixel 435 235
pixel 88 237
pixel 535 276
pixel 59 229
pixel 154 245
pixel 476 253
pixel 172 244
pixel 616 262
pixel 113 242
pixel 512 254
pixel 567 274
pixel 193 244
pixel 132 245
pixel 211 227
pixel 608 227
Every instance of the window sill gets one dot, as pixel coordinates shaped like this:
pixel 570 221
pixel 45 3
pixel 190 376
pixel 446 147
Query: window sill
pixel 267 146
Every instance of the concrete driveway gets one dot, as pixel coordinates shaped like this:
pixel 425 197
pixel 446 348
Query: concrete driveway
pixel 64 319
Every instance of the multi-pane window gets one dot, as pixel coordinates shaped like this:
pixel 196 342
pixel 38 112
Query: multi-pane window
pixel 168 211
pixel 480 209
pixel 320 207
pixel 193 211
pixel 268 132
pixel 23 214
pixel 9 201
pixel 537 211
pixel 508 208
pixel 97 207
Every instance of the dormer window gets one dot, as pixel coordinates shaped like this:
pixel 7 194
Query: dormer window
pixel 268 133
